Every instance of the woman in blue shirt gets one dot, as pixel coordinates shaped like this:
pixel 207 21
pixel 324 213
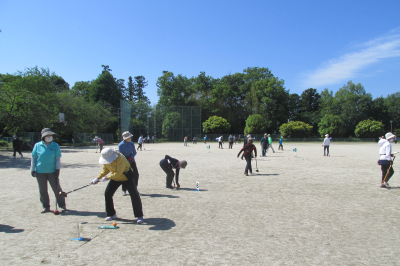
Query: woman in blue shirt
pixel 127 148
pixel 45 166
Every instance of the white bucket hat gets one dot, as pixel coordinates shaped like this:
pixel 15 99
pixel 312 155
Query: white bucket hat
pixel 389 135
pixel 107 156
pixel 327 135
pixel 126 135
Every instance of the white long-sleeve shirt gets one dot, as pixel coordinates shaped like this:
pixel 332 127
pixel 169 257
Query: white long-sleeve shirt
pixel 327 141
pixel 385 150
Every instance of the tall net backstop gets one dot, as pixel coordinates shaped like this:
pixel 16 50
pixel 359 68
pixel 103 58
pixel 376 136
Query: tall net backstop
pixel 170 123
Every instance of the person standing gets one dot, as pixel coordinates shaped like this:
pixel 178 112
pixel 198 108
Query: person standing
pixel 239 139
pixel 220 143
pixel 280 144
pixel 152 138
pixel 185 141
pixel 270 143
pixel 234 139
pixel 264 145
pixel 167 164
pixel 140 142
pixel 17 146
pixel 230 141
pixel 127 148
pixel 45 166
pixel 205 139
pixel 327 142
pixel 385 158
pixel 121 173
pixel 100 142
pixel 247 150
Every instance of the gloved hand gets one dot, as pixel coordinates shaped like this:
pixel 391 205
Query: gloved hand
pixel 391 162
pixel 33 173
pixel 57 173
pixel 104 179
pixel 130 159
pixel 95 181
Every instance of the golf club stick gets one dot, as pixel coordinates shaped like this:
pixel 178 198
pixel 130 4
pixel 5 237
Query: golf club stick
pixel 390 167
pixel 256 164
pixel 65 194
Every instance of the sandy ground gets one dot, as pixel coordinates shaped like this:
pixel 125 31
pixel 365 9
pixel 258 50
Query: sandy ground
pixel 304 210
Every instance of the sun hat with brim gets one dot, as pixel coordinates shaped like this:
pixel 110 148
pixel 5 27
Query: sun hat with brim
pixel 47 132
pixel 327 135
pixel 107 156
pixel 183 164
pixel 389 135
pixel 126 135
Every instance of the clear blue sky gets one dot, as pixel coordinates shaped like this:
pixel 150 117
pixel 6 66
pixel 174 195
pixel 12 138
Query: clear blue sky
pixel 317 44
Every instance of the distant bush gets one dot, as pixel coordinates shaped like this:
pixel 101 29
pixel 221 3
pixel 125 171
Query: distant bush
pixel 3 143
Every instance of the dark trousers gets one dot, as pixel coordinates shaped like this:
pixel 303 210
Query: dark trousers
pixel 230 145
pixel 139 146
pixel 385 169
pixel 170 173
pixel 133 193
pixel 220 145
pixel 248 165
pixel 264 150
pixel 44 195
pixel 135 175
pixel 280 147
pixel 17 149
pixel 101 147
pixel 327 149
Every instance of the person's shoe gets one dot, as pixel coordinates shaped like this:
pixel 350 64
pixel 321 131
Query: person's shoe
pixel 246 173
pixel 109 218
pixel 63 209
pixel 383 185
pixel 15 158
pixel 44 210
pixel 386 184
pixel 274 151
pixel 124 193
pixel 177 185
pixel 22 156
pixel 170 187
pixel 139 220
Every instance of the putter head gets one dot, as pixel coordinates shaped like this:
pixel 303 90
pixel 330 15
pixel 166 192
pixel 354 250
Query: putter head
pixel 257 170
pixel 63 194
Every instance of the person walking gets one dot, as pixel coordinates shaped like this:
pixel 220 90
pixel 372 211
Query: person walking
pixel 140 142
pixel 220 142
pixel 270 143
pixel 167 164
pixel 45 166
pixel 264 145
pixel 17 146
pixel 247 150
pixel 280 144
pixel 327 142
pixel 127 148
pixel 230 141
pixel 121 173
pixel 385 158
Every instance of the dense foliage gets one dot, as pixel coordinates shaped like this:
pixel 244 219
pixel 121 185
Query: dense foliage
pixel 295 129
pixel 216 124
pixel 369 129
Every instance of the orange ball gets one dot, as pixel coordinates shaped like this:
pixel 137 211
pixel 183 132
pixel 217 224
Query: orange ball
pixel 114 224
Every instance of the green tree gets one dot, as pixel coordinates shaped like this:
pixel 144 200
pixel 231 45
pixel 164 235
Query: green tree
pixel 216 124
pixel 255 124
pixel 172 120
pixel 295 129
pixel 332 125
pixel 392 103
pixel 139 85
pixel 81 88
pixel 173 90
pixel 105 89
pixel 129 92
pixel 309 108
pixel 369 129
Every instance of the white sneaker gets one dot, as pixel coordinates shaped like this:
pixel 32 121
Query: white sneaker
pixel 109 218
pixel 139 220
pixel 124 193
pixel 386 184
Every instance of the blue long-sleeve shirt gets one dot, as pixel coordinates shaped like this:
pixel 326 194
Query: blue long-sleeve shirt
pixel 127 149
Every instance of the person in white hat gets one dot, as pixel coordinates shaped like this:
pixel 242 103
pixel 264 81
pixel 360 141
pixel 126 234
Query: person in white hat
pixel 121 173
pixel 45 166
pixel 327 142
pixel 385 158
pixel 127 148
pixel 220 140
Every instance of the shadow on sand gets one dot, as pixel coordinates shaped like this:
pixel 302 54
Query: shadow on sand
pixel 8 229
pixel 154 223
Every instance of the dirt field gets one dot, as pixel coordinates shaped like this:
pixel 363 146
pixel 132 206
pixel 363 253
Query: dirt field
pixel 305 210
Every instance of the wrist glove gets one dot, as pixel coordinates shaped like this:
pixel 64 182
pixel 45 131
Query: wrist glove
pixel 104 179
pixel 57 173
pixel 33 173
pixel 94 181
pixel 130 159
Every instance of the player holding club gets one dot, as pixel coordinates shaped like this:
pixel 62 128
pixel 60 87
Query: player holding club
pixel 167 164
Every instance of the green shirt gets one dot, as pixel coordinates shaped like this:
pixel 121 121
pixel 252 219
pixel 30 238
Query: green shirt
pixel 46 157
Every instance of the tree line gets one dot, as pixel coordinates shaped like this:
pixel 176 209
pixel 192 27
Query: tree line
pixel 252 101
